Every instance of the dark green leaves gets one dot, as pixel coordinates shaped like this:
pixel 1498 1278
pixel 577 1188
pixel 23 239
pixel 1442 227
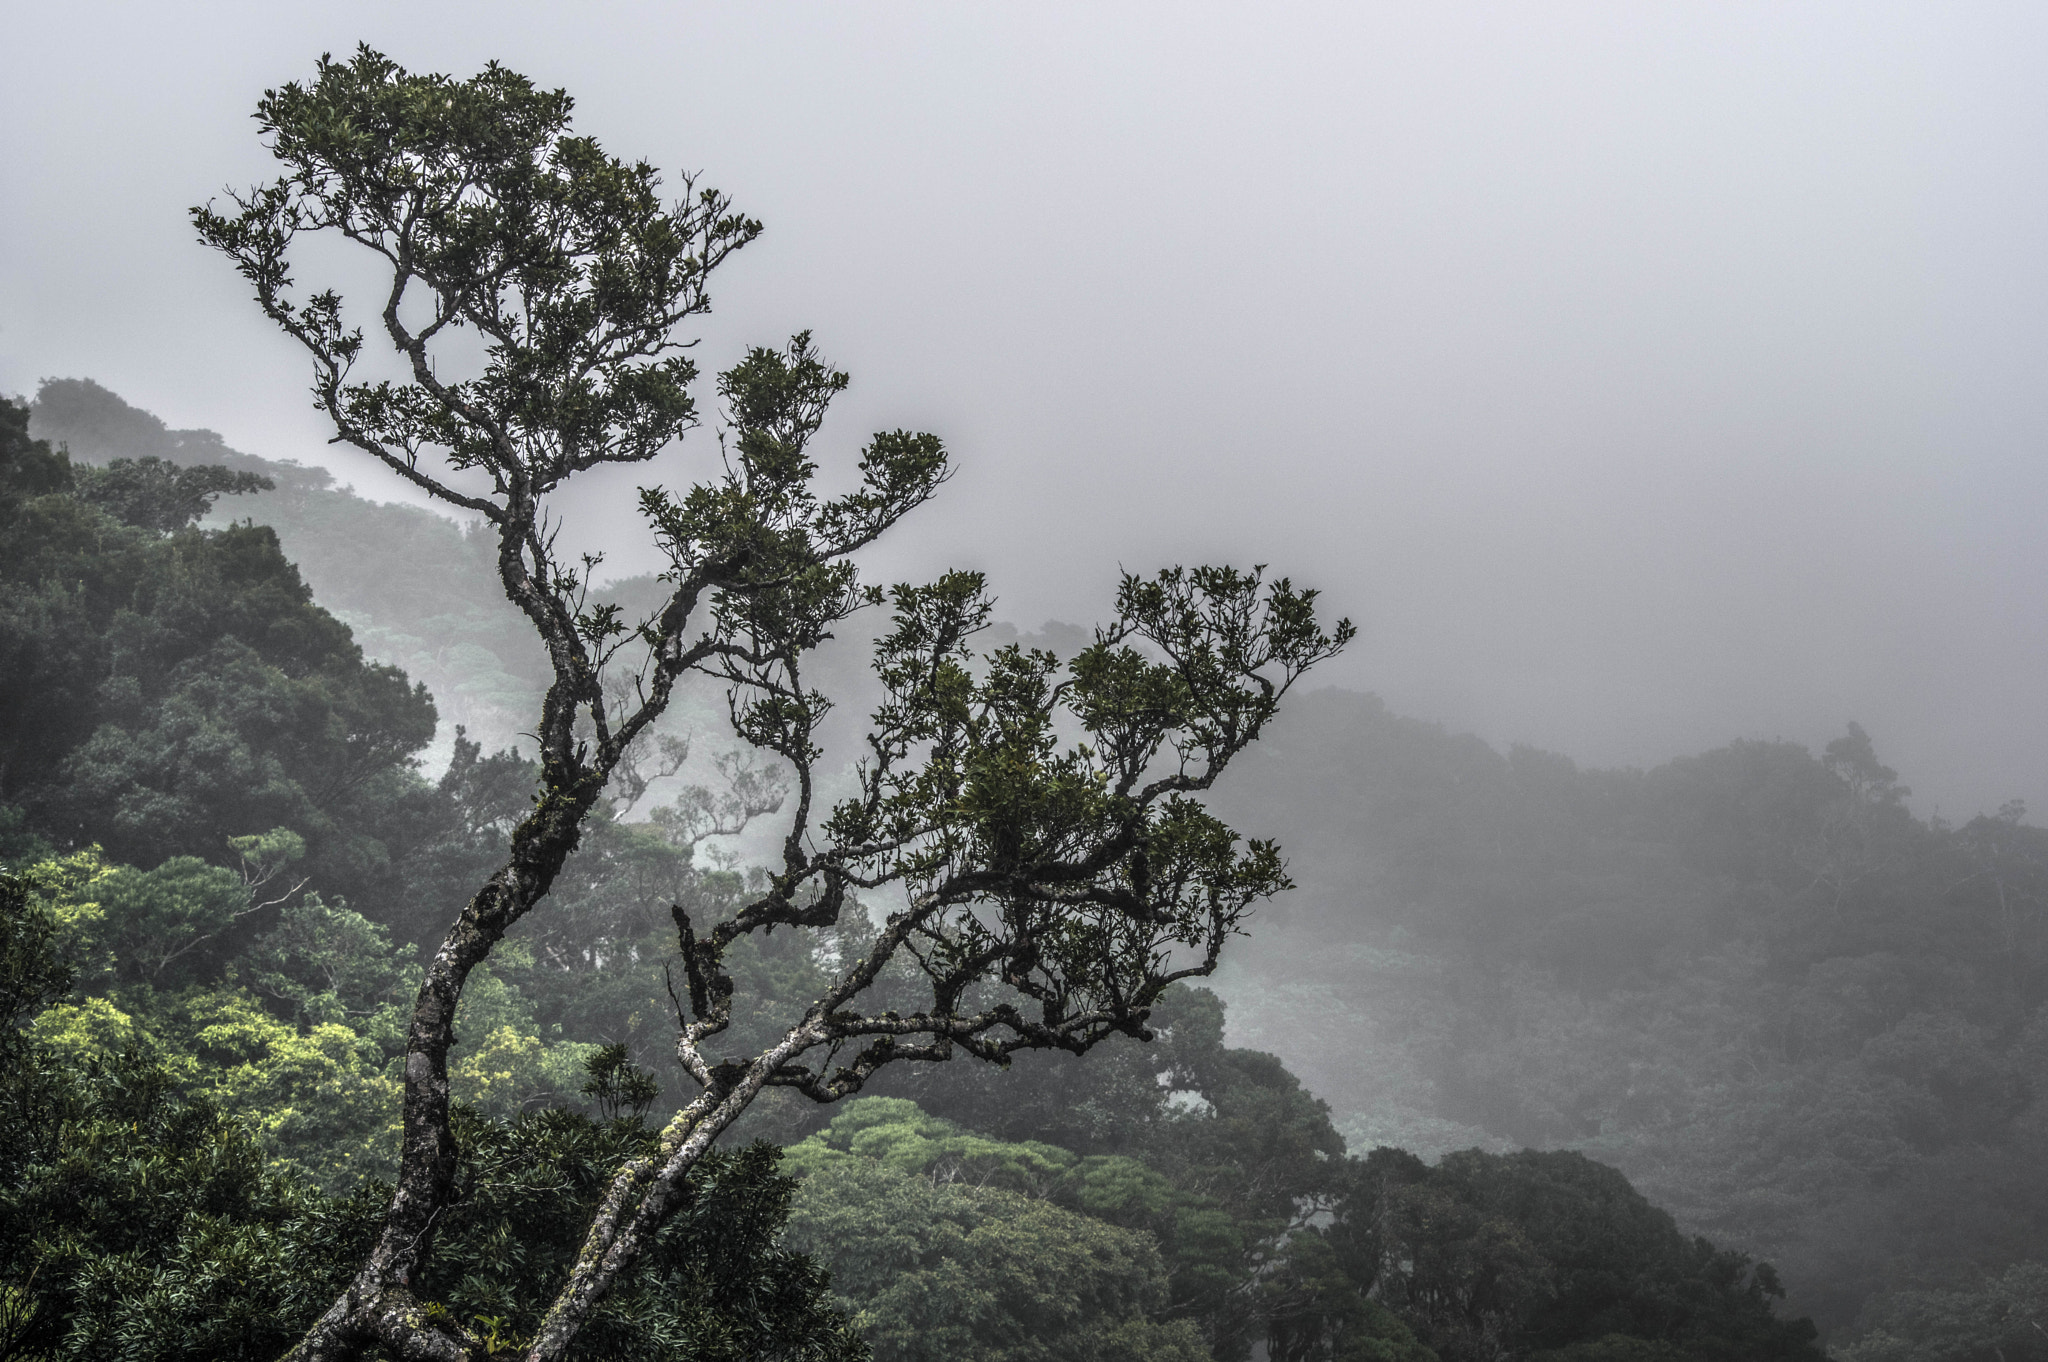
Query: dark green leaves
pixel 617 1085
pixel 1040 815
pixel 490 215
pixel 762 524
pixel 152 494
pixel 1236 650
pixel 164 688
pixel 33 974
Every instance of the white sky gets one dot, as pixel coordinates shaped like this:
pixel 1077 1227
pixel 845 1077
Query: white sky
pixel 1639 376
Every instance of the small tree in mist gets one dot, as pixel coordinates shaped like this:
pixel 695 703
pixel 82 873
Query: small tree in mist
pixel 1033 819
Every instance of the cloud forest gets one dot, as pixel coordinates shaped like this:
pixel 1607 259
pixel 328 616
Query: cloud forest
pixel 419 941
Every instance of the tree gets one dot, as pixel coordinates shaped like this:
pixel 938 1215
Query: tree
pixel 165 689
pixel 1044 890
pixel 953 1270
pixel 1547 1254
pixel 1225 1265
pixel 153 494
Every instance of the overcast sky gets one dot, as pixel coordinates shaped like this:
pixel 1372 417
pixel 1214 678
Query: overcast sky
pixel 1638 376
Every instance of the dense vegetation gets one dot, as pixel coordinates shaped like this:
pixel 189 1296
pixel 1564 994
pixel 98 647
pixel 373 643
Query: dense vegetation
pixel 235 993
pixel 1804 1019
pixel 441 618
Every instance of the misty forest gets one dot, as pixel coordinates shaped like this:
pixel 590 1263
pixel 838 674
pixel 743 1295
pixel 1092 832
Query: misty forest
pixel 419 940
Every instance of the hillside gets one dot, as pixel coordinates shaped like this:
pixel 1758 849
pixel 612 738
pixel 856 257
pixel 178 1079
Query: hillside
pixel 1805 1021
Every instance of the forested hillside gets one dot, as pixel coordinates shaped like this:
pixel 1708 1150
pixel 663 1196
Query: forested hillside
pixel 415 588
pixel 1792 1014
pixel 1805 1020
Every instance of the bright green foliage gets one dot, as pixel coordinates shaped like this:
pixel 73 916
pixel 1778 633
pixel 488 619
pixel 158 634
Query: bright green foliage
pixel 952 1270
pixel 898 1135
pixel 90 1029
pixel 136 1223
pixel 311 1083
pixel 138 1220
pixel 317 1099
pixel 509 1069
pixel 64 892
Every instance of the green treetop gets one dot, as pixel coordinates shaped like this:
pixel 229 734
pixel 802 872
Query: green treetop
pixel 1035 822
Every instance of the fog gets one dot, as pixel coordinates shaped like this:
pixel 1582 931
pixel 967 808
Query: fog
pixel 1638 377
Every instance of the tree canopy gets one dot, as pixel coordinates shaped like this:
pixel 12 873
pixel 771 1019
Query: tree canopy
pixel 1048 888
pixel 165 688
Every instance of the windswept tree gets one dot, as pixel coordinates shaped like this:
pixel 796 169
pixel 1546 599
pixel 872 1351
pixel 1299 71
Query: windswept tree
pixel 1032 824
